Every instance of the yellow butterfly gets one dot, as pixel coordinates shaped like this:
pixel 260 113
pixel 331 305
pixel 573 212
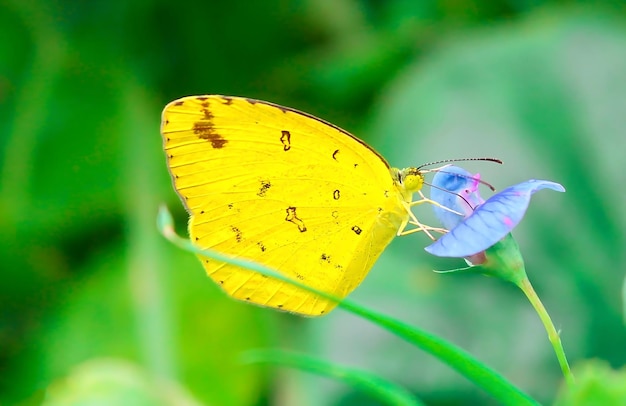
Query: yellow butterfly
pixel 287 190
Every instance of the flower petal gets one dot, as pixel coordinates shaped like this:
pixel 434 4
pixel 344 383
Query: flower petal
pixel 490 222
pixel 454 188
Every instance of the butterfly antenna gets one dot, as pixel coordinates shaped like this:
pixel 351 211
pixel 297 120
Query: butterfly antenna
pixel 445 161
pixel 449 191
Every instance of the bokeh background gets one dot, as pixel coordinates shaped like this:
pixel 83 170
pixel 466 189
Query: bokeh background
pixel 95 305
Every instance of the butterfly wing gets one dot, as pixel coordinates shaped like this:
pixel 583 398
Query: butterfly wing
pixel 284 189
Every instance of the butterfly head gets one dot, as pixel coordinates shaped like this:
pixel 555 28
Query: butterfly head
pixel 409 179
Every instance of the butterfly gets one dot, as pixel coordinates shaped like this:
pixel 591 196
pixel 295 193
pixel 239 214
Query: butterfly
pixel 287 190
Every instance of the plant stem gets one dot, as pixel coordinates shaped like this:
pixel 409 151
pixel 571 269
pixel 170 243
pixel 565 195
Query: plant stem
pixel 553 335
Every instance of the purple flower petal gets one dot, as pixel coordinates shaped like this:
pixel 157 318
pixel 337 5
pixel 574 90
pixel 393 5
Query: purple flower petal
pixel 490 222
pixel 454 188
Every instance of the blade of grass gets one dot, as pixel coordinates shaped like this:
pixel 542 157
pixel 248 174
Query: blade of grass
pixel 147 277
pixel 474 370
pixel 382 389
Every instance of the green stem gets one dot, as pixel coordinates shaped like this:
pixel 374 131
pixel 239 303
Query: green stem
pixel 553 335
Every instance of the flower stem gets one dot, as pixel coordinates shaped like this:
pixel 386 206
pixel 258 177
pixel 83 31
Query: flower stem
pixel 553 335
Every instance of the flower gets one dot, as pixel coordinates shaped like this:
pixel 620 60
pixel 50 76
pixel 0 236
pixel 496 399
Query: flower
pixel 480 232
pixel 483 223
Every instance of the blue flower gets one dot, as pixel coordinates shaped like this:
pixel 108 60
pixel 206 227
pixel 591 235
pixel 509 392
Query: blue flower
pixel 481 223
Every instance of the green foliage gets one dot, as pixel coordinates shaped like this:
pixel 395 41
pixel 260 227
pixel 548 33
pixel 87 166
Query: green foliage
pixel 596 384
pixel 84 276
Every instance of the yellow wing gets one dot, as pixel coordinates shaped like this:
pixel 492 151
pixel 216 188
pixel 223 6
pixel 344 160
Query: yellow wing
pixel 284 189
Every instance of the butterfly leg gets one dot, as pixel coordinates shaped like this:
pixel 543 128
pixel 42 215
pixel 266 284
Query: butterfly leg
pixel 418 225
pixel 424 199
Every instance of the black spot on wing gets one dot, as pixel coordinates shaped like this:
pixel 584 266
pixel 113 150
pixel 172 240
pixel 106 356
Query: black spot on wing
pixel 292 216
pixel 238 234
pixel 285 139
pixel 265 185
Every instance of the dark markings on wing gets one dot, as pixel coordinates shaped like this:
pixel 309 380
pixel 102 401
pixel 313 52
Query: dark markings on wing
pixel 355 165
pixel 357 230
pixel 335 154
pixel 265 185
pixel 230 206
pixel 325 258
pixel 299 276
pixel 238 235
pixel 179 103
pixel 285 138
pixel 207 114
pixel 261 246
pixel 293 217
pixel 205 131
pixel 336 194
pixel 202 98
pixel 226 100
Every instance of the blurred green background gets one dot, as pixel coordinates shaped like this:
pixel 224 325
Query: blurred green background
pixel 95 305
